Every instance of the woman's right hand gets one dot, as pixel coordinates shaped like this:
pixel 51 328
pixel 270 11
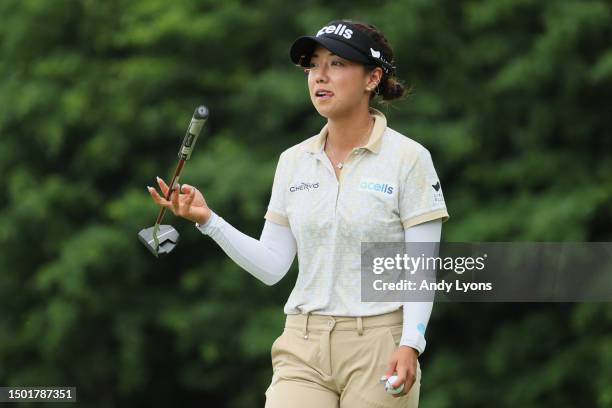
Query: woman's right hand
pixel 189 203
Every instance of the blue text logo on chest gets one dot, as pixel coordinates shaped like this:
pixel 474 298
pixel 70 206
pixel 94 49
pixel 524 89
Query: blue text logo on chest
pixel 303 186
pixel 377 186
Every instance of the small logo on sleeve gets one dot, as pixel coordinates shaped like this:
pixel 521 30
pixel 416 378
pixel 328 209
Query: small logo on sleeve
pixel 438 197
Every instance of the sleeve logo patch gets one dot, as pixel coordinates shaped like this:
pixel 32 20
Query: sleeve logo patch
pixel 438 197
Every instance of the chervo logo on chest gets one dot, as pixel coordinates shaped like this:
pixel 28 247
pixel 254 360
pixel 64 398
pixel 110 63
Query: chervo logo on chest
pixel 303 186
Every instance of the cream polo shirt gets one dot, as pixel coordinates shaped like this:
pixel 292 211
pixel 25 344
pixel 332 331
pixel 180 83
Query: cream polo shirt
pixel 386 186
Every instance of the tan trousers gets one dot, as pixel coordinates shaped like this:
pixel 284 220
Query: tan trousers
pixel 331 361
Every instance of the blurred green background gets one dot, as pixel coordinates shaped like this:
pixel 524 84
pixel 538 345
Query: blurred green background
pixel 512 98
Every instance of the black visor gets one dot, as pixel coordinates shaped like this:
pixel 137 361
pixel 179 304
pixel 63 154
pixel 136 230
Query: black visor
pixel 344 40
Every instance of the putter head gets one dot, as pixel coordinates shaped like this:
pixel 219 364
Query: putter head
pixel 168 238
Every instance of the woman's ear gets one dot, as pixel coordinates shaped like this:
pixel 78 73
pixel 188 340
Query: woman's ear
pixel 374 78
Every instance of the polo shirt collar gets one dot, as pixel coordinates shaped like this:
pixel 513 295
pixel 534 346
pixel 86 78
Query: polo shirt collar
pixel 374 141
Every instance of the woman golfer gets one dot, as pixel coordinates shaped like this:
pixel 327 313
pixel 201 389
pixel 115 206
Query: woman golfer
pixel 356 181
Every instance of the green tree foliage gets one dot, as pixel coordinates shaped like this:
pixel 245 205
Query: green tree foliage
pixel 510 96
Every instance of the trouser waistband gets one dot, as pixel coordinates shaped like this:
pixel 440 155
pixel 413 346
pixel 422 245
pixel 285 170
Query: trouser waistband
pixel 316 322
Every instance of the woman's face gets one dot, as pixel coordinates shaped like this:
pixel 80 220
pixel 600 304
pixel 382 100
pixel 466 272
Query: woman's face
pixel 343 81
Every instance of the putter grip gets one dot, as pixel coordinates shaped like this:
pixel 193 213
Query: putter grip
pixel 193 131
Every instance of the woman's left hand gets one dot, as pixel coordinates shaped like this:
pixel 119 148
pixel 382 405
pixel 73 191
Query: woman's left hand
pixel 403 362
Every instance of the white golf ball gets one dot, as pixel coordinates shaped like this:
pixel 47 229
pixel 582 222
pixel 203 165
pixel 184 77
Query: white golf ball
pixel 390 389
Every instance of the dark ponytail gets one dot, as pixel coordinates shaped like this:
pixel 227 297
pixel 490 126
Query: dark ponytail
pixel 390 86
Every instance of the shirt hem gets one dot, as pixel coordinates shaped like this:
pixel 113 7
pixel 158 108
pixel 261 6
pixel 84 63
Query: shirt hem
pixel 276 218
pixel 428 216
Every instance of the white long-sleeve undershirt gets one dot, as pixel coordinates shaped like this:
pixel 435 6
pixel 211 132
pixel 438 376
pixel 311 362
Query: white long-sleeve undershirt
pixel 270 257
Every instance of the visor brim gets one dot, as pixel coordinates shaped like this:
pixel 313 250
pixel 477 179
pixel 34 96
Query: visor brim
pixel 304 46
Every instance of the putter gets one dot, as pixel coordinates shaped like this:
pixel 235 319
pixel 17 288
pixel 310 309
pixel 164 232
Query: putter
pixel 162 239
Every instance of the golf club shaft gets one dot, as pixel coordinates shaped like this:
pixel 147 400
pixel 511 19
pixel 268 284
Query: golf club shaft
pixel 191 136
pixel 171 187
